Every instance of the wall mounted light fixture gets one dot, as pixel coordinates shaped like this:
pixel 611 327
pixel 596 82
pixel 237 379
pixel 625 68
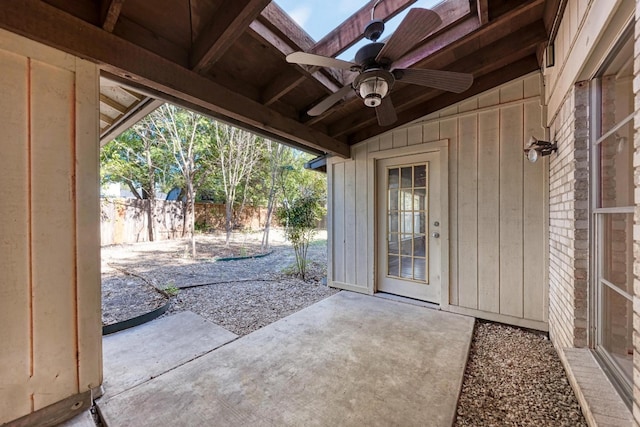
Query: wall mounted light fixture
pixel 538 148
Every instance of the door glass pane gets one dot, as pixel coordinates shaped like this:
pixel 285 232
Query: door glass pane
pixel 616 168
pixel 420 176
pixel 394 265
pixel 394 247
pixel 419 197
pixel 407 222
pixel 406 200
pixel 419 269
pixel 394 178
pixel 419 246
pixel 406 178
pixel 421 226
pixel 406 267
pixel 617 328
pixel 393 200
pixel 393 222
pixel 616 260
pixel 407 244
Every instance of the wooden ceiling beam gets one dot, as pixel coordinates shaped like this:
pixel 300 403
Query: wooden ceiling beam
pixel 109 13
pixel 108 120
pixel 113 104
pixel 456 44
pixel 482 84
pixel 141 36
pixel 231 20
pixel 349 32
pixel 281 23
pixel 483 11
pixel 487 59
pixel 282 48
pixel 44 23
pixel 132 115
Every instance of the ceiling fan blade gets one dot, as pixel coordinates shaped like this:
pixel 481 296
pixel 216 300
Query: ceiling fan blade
pixel 444 80
pixel 318 60
pixel 418 24
pixel 329 101
pixel 386 112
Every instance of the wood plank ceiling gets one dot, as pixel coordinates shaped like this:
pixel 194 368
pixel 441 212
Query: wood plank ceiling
pixel 226 58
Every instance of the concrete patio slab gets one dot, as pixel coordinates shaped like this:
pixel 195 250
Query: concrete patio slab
pixel 84 419
pixel 136 355
pixel 349 360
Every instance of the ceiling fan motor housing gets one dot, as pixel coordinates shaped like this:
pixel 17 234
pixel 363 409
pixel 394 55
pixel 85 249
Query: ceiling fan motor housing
pixel 366 56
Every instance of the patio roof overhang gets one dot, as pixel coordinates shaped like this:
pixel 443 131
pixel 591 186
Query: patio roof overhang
pixel 226 58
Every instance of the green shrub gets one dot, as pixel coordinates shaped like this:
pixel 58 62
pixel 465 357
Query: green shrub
pixel 300 219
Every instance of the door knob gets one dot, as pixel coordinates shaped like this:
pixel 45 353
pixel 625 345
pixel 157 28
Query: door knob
pixel 435 234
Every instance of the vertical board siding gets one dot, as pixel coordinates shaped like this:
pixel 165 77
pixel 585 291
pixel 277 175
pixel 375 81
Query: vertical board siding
pixel 468 211
pixel 350 221
pixel 498 205
pixel 362 263
pixel 488 211
pixel 535 189
pixel 449 130
pixel 50 292
pixel 88 280
pixel 53 233
pixel 338 216
pixel 15 312
pixel 511 203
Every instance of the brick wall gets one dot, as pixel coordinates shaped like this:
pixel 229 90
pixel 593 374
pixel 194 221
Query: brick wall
pixel 568 221
pixel 636 226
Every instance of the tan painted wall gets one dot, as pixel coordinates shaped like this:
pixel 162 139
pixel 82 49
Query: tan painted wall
pixel 50 339
pixel 581 45
pixel 498 206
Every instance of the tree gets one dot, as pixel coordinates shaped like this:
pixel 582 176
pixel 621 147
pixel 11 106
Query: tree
pixel 277 156
pixel 237 156
pixel 137 161
pixel 185 135
pixel 301 217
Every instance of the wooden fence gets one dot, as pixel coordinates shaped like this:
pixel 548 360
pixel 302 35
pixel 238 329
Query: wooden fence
pixel 125 220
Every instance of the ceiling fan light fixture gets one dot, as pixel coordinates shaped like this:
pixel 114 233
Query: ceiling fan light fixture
pixel 372 90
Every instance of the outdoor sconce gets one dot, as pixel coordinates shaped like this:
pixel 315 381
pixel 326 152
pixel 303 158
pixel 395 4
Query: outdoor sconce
pixel 536 148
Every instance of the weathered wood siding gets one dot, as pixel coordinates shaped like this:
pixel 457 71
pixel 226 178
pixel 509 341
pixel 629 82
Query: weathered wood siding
pixel 498 206
pixel 50 339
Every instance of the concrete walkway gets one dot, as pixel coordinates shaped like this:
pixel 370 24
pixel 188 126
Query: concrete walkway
pixel 348 360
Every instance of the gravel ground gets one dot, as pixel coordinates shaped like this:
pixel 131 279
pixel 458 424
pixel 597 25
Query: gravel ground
pixel 244 307
pixel 241 295
pixel 124 297
pixel 514 378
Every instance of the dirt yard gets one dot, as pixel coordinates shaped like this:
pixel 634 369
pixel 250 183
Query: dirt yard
pixel 241 295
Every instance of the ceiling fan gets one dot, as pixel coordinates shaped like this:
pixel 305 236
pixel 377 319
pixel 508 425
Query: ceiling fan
pixel 374 63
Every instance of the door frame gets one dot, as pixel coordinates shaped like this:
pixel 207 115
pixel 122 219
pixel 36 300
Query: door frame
pixel 439 146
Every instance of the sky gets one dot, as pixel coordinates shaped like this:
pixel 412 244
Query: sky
pixel 318 17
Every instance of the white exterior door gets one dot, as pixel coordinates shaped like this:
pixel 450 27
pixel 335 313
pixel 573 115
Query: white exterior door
pixel 409 226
